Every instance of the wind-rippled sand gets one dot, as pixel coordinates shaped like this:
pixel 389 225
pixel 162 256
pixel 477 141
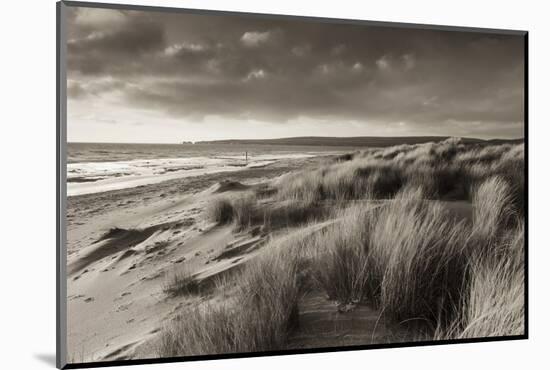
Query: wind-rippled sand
pixel 123 245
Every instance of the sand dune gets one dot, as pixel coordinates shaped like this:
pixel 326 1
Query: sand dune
pixel 116 283
pixel 139 256
pixel 126 269
pixel 121 257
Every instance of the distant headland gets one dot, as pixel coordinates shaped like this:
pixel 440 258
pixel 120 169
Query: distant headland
pixel 372 141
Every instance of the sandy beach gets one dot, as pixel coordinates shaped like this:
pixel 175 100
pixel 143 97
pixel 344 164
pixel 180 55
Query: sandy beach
pixel 123 244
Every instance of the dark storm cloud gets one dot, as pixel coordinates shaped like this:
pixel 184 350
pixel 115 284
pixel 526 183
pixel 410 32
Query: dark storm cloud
pixel 137 37
pixel 276 70
pixel 102 45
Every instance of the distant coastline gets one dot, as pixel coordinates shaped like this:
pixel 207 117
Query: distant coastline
pixel 373 141
pixel 352 141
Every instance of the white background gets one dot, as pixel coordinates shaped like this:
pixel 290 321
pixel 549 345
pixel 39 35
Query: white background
pixel 27 170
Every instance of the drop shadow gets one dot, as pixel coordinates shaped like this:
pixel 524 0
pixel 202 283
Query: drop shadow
pixel 47 358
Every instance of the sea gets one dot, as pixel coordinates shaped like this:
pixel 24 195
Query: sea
pixel 99 167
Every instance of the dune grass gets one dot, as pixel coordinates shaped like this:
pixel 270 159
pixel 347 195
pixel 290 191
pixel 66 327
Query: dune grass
pixel 244 211
pixel 494 211
pixel 341 267
pixel 221 211
pixel 259 317
pixel 493 304
pixel 448 170
pixel 415 263
pixel 406 257
pixel 392 245
pixel 199 330
pixel 247 211
pixel 418 255
pixel 181 283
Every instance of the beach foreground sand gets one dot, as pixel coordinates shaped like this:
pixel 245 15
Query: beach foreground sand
pixel 123 245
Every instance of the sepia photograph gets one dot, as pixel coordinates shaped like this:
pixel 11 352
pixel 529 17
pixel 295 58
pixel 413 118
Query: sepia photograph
pixel 245 184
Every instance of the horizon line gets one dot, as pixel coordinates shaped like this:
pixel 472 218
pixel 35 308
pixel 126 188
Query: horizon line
pixel 294 137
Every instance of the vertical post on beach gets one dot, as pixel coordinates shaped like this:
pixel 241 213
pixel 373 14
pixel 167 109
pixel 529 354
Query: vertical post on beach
pixel 246 157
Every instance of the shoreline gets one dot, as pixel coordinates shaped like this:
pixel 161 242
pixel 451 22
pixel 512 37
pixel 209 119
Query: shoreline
pixel 98 177
pixel 84 205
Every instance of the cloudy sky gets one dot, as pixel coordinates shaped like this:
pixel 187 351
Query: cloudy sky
pixel 138 76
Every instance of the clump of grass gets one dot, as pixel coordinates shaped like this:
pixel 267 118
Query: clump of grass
pixel 443 181
pixel 493 304
pixel 342 182
pixel 260 316
pixel 269 293
pixel 305 187
pixel 240 210
pixel 181 283
pixel 493 210
pixel 341 267
pixel 244 211
pixel 221 211
pixel 201 330
pixel 418 256
pixel 291 213
pixel 385 181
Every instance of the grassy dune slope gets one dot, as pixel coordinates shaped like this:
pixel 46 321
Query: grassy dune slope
pixel 394 241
